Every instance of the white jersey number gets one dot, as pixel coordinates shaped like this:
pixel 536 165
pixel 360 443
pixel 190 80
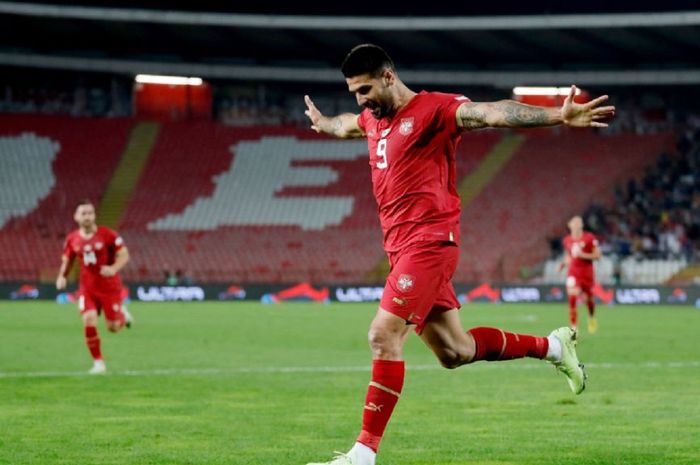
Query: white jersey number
pixel 89 258
pixel 381 153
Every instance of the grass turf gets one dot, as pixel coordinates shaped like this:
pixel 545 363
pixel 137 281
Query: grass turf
pixel 244 384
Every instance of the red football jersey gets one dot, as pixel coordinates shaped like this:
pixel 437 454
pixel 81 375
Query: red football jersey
pixel 586 243
pixel 412 156
pixel 100 249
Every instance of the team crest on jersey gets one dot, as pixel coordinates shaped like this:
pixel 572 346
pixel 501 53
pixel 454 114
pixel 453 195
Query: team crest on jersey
pixel 99 245
pixel 406 126
pixel 405 282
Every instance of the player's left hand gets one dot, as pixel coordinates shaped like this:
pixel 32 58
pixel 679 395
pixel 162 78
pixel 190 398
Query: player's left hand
pixel 107 271
pixel 584 115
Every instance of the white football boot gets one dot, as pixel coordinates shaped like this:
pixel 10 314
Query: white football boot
pixel 569 364
pixel 98 368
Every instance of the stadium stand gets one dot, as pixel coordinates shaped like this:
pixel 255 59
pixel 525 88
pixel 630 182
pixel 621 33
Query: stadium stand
pixel 551 177
pixel 192 206
pixel 49 163
pixel 649 229
pixel 330 232
pixel 314 219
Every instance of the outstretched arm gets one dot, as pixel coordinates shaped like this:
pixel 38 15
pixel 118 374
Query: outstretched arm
pixel 344 125
pixel 511 114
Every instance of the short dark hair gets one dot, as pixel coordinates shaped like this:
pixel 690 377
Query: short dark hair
pixel 366 59
pixel 82 202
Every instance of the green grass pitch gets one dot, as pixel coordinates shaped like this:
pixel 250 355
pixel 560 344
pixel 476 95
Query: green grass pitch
pixel 244 384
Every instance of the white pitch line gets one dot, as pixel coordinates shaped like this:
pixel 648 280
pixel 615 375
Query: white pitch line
pixel 330 369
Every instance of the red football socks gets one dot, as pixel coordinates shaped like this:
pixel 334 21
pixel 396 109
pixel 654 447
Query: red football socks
pixel 92 340
pixel 572 310
pixel 383 393
pixel 590 302
pixel 495 344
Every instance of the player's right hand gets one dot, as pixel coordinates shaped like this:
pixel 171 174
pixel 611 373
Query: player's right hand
pixel 313 113
pixel 61 282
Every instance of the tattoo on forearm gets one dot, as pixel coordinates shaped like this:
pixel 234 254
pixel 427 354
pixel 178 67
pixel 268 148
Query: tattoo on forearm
pixel 336 124
pixel 523 116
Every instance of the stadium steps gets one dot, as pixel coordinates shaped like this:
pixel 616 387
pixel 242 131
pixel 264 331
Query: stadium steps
pixel 494 161
pixel 118 193
pixel 688 275
pixel 471 185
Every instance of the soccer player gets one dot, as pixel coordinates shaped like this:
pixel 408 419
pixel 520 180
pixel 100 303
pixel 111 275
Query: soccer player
pixel 102 254
pixel 581 251
pixel 412 139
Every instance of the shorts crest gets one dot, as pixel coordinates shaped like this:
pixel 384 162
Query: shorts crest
pixel 405 282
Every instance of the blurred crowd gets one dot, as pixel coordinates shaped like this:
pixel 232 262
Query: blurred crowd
pixel 657 216
pixel 101 98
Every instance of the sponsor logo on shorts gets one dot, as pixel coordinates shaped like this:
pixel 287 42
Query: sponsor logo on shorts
pixel 399 301
pixel 115 307
pixel 405 282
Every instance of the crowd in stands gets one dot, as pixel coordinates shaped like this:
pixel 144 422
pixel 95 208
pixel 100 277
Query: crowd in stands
pixel 104 98
pixel 261 104
pixel 657 216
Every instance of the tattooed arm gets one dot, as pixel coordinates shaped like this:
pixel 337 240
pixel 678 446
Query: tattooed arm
pixel 344 125
pixel 505 114
pixel 511 114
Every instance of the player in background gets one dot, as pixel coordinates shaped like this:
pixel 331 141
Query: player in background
pixel 581 250
pixel 412 139
pixel 102 254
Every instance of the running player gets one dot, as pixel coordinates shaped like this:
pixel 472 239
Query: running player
pixel 581 251
pixel 102 254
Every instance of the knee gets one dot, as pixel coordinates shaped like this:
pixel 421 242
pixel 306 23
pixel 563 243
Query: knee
pixel 89 319
pixel 114 327
pixel 384 344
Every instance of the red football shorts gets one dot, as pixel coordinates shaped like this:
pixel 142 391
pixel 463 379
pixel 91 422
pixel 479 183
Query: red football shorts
pixel 419 282
pixel 110 303
pixel 584 282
